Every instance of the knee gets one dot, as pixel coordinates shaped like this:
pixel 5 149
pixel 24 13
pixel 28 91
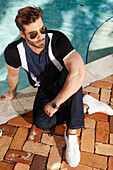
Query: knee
pixel 42 124
pixel 42 120
pixel 38 120
pixel 39 124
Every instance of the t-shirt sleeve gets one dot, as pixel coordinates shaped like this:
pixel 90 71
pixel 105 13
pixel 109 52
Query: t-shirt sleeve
pixel 62 47
pixel 12 56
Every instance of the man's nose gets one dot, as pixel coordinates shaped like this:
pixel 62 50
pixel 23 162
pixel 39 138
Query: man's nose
pixel 39 35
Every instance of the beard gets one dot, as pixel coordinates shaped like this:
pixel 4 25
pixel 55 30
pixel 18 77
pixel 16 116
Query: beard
pixel 36 43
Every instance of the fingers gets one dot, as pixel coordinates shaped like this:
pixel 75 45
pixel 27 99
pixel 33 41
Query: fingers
pixel 51 114
pixel 49 111
pixel 5 96
pixel 2 99
pixel 2 96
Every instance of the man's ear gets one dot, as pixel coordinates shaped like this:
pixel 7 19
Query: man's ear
pixel 22 34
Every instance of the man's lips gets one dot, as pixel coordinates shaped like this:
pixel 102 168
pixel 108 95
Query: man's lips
pixel 41 41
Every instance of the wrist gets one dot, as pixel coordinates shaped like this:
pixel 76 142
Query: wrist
pixel 57 102
pixel 54 105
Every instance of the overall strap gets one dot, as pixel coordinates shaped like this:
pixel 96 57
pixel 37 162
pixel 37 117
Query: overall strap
pixel 22 53
pixel 21 50
pixel 51 56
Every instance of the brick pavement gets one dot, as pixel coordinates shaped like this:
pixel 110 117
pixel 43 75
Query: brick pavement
pixel 24 146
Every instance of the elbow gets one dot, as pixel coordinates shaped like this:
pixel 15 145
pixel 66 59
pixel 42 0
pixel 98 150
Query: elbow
pixel 78 76
pixel 83 76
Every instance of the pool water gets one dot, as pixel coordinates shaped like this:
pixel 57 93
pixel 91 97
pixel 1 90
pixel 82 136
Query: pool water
pixel 77 19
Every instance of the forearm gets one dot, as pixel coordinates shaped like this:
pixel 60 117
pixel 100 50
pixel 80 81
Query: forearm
pixel 71 86
pixel 74 80
pixel 12 82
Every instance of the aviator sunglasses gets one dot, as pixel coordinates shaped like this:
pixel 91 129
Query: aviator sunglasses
pixel 33 34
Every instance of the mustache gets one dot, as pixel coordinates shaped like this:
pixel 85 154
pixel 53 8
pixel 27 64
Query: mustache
pixel 40 40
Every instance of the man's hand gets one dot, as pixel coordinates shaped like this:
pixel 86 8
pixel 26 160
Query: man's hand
pixel 49 110
pixel 7 96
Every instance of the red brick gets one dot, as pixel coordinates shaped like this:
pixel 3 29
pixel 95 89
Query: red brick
pixel 21 121
pixel 4 145
pixel 59 129
pixel 102 84
pixel 21 166
pixel 103 149
pixel 93 160
pixel 54 160
pixel 111 124
pixel 110 163
pixel 53 140
pixel 84 92
pixel 98 115
pixel 29 114
pixel 37 148
pixel 60 150
pixel 8 130
pixel 19 138
pixel 92 89
pixel 35 134
pixel 111 138
pixel 109 79
pixel 102 132
pixel 89 123
pixel 87 140
pixel 105 96
pixel 96 96
pixel 6 166
pixel 38 163
pixel 111 102
pixel 19 156
pixel 66 166
pixel 111 106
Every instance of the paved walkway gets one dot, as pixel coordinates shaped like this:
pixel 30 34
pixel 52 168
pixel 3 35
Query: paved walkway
pixel 23 146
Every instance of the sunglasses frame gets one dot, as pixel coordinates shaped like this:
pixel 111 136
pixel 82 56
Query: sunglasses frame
pixel 36 32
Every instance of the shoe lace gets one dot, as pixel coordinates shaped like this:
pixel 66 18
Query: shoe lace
pixel 72 146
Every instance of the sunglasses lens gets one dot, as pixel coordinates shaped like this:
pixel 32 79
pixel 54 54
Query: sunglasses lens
pixel 43 30
pixel 33 35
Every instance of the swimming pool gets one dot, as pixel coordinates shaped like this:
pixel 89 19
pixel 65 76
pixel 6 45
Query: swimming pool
pixel 78 19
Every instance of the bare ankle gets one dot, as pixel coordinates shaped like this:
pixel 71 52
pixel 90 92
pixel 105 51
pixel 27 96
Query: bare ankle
pixel 71 132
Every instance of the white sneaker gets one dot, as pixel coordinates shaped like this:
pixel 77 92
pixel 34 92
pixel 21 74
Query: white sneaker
pixel 0 132
pixel 72 150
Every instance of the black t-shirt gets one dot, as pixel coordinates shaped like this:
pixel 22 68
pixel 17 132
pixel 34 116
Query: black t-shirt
pixel 61 47
pixel 58 44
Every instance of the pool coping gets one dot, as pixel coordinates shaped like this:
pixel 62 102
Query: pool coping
pixel 23 102
pixel 99 69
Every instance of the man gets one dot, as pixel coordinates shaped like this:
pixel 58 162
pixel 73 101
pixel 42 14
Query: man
pixel 56 68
